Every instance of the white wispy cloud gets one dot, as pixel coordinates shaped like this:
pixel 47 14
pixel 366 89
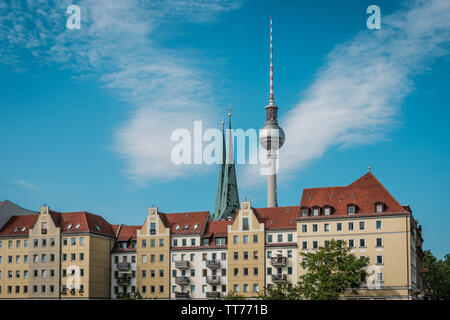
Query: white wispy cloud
pixel 115 45
pixel 357 94
pixel 25 184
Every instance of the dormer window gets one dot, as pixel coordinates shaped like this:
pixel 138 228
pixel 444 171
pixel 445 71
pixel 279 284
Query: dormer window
pixel 16 229
pixel 327 211
pixel 177 227
pixel 351 209
pixel 196 226
pixel 316 211
pixel 23 229
pixel 77 226
pixel 98 228
pixel 186 227
pixel 379 207
pixel 69 226
pixel 304 212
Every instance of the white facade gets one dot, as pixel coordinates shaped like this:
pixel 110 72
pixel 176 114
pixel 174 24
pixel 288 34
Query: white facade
pixel 123 274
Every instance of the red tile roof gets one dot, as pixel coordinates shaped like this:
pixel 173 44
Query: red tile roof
pixel 127 233
pixel 278 218
pixel 217 228
pixel 363 193
pixel 20 224
pixel 172 220
pixel 74 222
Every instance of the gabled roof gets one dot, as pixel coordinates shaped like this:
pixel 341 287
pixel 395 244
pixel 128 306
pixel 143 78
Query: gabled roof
pixel 278 218
pixel 82 221
pixel 363 193
pixel 183 219
pixel 19 225
pixel 127 233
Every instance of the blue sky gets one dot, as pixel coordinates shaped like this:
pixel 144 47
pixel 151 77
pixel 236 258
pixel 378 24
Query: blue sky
pixel 86 114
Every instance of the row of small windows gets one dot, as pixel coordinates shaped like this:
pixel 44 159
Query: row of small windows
pixel 245 239
pixel 191 288
pixel 26 260
pixel 44 273
pixel 245 272
pixel 280 237
pixel 350 226
pixel 152 289
pixel 213 255
pixel 35 289
pixel 152 243
pixel 152 258
pixel 279 271
pixel 44 241
pixel 245 288
pixel 125 259
pixel 351 243
pixel 329 210
pixel 245 255
pixel 183 273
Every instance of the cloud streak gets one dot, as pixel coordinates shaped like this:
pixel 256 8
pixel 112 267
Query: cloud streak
pixel 357 94
pixel 116 46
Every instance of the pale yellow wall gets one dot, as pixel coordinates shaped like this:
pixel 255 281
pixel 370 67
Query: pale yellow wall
pixel 235 229
pixel 144 234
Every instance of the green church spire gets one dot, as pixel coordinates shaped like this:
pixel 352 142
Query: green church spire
pixel 227 198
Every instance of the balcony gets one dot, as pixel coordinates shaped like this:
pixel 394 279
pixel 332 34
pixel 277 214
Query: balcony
pixel 123 281
pixel 123 266
pixel 213 264
pixel 213 280
pixel 182 264
pixel 213 295
pixel 181 295
pixel 279 278
pixel 278 261
pixel 182 280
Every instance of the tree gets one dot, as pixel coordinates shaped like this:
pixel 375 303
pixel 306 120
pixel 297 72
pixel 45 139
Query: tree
pixel 436 279
pixel 281 291
pixel 331 270
pixel 232 296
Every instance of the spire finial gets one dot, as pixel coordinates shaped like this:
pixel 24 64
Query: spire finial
pixel 369 168
pixel 271 98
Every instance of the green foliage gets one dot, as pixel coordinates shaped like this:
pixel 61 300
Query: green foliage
pixel 232 296
pixel 330 271
pixel 436 279
pixel 282 291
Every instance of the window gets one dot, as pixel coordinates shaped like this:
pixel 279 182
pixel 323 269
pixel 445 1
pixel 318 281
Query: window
pixel 351 209
pixel 379 207
pixel 290 237
pixel 72 257
pixel 52 242
pixel 304 245
pixel 52 257
pixel 269 254
pixel 186 227
pixel 339 226
pixel 35 258
pixel 378 223
pixel 65 242
pixel 152 228
pixel 245 287
pixel 245 239
pixel 35 243
pixel 245 255
pixel 44 258
pixel 304 212
pixel 269 271
pixel 144 243
pixel 326 243
pixel 314 227
pixel 236 288
pixel 362 225
pixel 350 226
pixel 362 243
pixel 380 277
pixel 221 241
pixel 280 238
pixel 327 211
pixel 17 243
pixel 81 241
pixel 196 226
pixel 235 255
pixel 379 259
pixel 175 242
pixel 304 228
pixel 351 243
pixel 255 287
pixel 161 258
pixel 235 239
pixel 235 272
pixel 255 238
pixel 315 211
pixel 245 224
pixel 245 271
pixel 379 242
pixel 269 238
pixel 152 243
pixel 255 255
pixel 44 228
pixel 326 227
pixel 192 241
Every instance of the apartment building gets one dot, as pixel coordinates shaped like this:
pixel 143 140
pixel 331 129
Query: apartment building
pixel 54 255
pixel 369 219
pixel 124 262
pixel 153 256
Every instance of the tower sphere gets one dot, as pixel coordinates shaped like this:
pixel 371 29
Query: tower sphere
pixel 271 136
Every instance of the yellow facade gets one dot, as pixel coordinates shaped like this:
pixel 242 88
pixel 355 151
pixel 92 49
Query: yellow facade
pixel 246 253
pixel 13 286
pixel 153 257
